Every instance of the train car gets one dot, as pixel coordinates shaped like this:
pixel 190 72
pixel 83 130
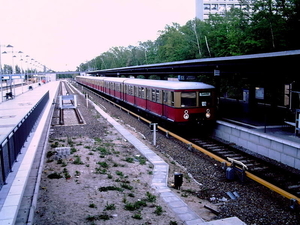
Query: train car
pixel 174 101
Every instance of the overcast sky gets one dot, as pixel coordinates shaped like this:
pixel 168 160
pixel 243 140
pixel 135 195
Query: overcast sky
pixel 61 34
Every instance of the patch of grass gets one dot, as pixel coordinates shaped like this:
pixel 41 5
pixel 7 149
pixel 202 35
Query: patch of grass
pixel 55 175
pixel 158 210
pixel 73 150
pixel 50 153
pixel 97 139
pixel 129 160
pixel 173 222
pixel 110 188
pixel 100 171
pixel 103 164
pixel 70 142
pixel 77 160
pixel 99 217
pixel 137 216
pixel 126 186
pixel 66 173
pixel 120 173
pixel 54 145
pixel 110 206
pixel 92 205
pixel 103 151
pixel 142 160
pixel 59 161
pixel 150 197
pixel 135 206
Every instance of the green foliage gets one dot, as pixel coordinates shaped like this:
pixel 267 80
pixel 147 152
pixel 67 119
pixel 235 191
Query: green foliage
pixel 110 188
pixel 110 206
pixel 55 175
pixel 158 210
pixel 263 26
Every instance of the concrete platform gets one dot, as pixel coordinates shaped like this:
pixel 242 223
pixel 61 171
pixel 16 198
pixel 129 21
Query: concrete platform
pixel 274 142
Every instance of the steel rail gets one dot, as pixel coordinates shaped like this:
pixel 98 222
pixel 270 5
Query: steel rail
pixel 212 155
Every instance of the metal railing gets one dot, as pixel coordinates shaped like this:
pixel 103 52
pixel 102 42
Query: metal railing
pixel 14 141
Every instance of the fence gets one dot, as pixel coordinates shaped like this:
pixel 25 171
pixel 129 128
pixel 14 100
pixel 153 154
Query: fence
pixel 13 143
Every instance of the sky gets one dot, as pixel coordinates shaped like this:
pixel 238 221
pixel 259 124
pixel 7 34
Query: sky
pixel 61 34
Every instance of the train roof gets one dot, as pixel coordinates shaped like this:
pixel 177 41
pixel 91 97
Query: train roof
pixel 175 85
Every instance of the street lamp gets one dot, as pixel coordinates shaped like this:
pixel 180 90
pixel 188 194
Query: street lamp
pixel 10 77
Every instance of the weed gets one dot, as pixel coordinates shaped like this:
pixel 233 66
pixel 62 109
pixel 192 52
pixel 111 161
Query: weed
pixel 126 186
pixel 103 151
pixel 100 217
pixel 129 160
pixel 120 173
pixel 110 188
pixel 150 197
pixel 50 153
pixel 92 205
pixel 103 164
pixel 73 150
pixel 55 175
pixel 131 195
pixel 173 223
pixel 109 176
pixel 66 173
pixel 137 216
pixel 100 171
pixel 77 173
pixel 158 211
pixel 54 145
pixel 97 139
pixel 135 206
pixel 77 160
pixel 110 206
pixel 70 142
pixel 141 160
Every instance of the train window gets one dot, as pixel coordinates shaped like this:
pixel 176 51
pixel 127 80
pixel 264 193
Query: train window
pixel 158 96
pixel 153 95
pixel 143 92
pixel 172 98
pixel 205 99
pixel 165 97
pixel 148 94
pixel 188 99
pixel 130 90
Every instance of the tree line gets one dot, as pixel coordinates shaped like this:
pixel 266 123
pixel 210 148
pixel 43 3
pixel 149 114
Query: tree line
pixel 263 26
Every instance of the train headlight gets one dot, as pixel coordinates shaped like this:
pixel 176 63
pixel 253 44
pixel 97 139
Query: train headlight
pixel 207 114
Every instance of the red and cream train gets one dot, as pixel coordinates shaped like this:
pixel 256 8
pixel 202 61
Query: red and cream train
pixel 175 101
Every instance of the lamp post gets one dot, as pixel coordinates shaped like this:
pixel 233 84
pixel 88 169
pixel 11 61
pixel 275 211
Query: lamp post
pixel 10 76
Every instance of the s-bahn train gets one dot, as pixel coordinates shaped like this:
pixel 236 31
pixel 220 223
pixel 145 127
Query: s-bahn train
pixel 178 102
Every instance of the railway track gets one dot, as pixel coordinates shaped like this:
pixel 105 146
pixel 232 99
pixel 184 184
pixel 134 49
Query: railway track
pixel 68 114
pixel 269 173
pixel 274 177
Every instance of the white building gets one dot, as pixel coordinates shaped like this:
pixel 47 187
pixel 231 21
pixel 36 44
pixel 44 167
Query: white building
pixel 206 7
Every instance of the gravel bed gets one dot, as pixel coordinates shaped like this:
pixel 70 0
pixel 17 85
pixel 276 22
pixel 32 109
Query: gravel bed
pixel 256 204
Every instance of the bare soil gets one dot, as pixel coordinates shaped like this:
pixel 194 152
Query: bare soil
pixel 100 178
